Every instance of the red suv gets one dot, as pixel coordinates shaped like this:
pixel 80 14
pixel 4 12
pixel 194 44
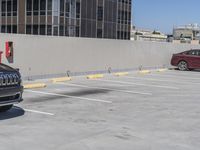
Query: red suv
pixel 187 60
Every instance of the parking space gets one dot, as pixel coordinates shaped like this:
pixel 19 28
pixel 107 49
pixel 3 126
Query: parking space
pixel 159 110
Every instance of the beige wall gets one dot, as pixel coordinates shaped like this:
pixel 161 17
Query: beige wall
pixel 43 56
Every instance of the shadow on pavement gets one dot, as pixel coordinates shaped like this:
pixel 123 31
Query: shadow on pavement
pixel 192 70
pixel 12 113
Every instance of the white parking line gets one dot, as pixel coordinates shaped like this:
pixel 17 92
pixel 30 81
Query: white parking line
pixel 123 91
pixel 149 79
pixel 192 73
pixel 173 76
pixel 36 111
pixel 139 84
pixel 159 80
pixel 39 112
pixel 69 96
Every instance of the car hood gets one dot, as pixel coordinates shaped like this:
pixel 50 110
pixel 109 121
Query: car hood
pixel 5 68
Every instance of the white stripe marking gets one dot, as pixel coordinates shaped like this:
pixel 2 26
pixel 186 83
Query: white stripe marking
pixel 152 79
pixel 174 76
pixel 149 79
pixel 192 73
pixel 39 112
pixel 36 111
pixel 139 84
pixel 69 96
pixel 124 91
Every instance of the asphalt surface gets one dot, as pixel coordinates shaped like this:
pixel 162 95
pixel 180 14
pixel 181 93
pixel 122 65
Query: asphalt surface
pixel 157 111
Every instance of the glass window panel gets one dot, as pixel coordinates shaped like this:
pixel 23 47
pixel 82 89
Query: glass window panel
pixel 35 7
pixel 77 9
pixel 100 13
pixel 14 5
pixel 14 29
pixel 61 31
pixel 62 7
pixel 35 29
pixel 29 7
pixel 9 8
pixel 77 31
pixel 3 29
pixel 49 30
pixel 28 29
pixel 49 7
pixel 9 29
pixel 42 7
pixel 42 30
pixel 55 30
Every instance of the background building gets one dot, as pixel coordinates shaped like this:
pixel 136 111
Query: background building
pixel 147 35
pixel 74 18
pixel 187 33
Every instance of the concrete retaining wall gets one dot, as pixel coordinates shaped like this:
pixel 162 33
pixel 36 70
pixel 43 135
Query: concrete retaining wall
pixel 42 56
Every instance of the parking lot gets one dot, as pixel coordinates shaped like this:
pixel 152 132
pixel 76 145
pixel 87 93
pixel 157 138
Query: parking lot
pixel 155 111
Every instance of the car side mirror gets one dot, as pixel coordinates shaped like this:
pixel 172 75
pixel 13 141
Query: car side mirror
pixel 17 69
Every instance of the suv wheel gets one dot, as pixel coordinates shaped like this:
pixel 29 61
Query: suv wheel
pixel 183 66
pixel 5 108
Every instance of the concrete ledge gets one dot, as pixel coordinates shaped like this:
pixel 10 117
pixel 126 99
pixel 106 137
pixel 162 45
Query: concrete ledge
pixel 121 74
pixel 162 70
pixel 144 71
pixel 61 79
pixel 95 76
pixel 34 85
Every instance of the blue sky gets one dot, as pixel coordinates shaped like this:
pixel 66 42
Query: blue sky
pixel 164 14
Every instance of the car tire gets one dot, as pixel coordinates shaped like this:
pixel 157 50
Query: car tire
pixel 183 66
pixel 5 108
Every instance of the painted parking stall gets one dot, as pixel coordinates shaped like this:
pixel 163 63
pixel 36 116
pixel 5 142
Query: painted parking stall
pixel 127 108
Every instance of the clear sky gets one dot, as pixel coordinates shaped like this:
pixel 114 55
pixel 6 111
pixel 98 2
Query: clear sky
pixel 162 15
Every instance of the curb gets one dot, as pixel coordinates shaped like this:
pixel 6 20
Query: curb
pixel 34 85
pixel 144 71
pixel 62 79
pixel 120 74
pixel 95 76
pixel 162 70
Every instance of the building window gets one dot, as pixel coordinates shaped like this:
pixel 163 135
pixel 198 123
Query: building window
pixel 14 29
pixel 35 7
pixel 62 4
pixel 55 30
pixel 77 31
pixel 66 31
pixel 42 7
pixel 49 7
pixel 9 29
pixel 9 8
pixel 3 29
pixel 28 29
pixel 35 29
pixel 100 13
pixel 49 30
pixel 29 7
pixel 14 7
pixel 42 30
pixel 78 10
pixel 67 8
pixel 99 33
pixel 3 8
pixel 61 31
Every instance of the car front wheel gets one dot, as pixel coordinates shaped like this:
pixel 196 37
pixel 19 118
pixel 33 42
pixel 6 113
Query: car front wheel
pixel 183 66
pixel 5 108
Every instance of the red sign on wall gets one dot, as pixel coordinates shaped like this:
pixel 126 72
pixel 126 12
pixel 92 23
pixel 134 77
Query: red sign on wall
pixel 1 56
pixel 9 49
